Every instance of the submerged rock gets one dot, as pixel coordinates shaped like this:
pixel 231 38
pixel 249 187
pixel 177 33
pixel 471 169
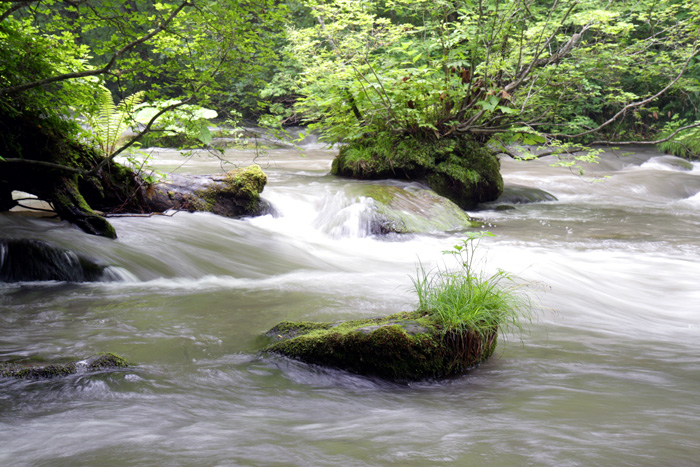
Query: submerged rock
pixel 34 260
pixel 99 362
pixel 412 210
pixel 674 162
pixel 517 194
pixel 401 347
pixel 234 194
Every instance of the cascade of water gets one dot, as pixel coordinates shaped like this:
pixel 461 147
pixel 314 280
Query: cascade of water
pixel 608 369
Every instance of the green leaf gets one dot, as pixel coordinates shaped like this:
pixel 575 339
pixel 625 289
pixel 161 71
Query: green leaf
pixel 205 135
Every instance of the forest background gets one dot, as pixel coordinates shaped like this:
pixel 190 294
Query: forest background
pixel 426 90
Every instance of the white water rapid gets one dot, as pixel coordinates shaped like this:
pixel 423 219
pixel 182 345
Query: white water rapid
pixel 607 374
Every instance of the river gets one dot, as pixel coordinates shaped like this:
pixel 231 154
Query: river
pixel 607 373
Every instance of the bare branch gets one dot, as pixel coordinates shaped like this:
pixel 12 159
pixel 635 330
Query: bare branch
pixel 561 53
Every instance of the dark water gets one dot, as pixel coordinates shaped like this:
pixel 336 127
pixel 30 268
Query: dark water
pixel 608 373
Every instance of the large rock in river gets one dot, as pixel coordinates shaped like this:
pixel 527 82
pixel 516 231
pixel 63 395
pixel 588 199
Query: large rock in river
pixel 459 169
pixel 412 209
pixel 35 260
pixel 402 347
pixel 234 194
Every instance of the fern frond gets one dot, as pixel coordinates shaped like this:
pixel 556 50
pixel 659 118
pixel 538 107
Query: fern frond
pixel 111 120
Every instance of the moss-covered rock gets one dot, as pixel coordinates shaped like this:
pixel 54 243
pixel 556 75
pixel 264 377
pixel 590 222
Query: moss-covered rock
pixel 234 194
pixel 99 362
pixel 459 169
pixel 412 210
pixel 401 347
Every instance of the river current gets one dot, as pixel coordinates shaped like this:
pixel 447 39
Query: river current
pixel 607 373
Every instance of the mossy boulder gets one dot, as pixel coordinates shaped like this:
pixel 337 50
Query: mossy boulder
pixel 459 169
pixel 234 194
pixel 99 362
pixel 402 347
pixel 412 210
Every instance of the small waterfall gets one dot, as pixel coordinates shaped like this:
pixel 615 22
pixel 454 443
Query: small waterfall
pixel 343 216
pixel 330 212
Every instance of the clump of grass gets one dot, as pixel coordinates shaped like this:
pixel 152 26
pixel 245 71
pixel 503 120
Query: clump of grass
pixel 467 300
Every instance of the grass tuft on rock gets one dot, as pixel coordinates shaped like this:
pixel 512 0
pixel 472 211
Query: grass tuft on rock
pixel 466 299
pixel 455 327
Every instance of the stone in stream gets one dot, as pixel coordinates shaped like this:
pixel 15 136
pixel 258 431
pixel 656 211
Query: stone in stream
pixel 411 210
pixel 455 167
pixel 674 162
pixel 99 362
pixel 517 194
pixel 402 347
pixel 234 194
pixel 34 260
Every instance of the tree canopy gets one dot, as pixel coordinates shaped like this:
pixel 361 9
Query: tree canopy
pixel 411 88
pixel 504 72
pixel 57 58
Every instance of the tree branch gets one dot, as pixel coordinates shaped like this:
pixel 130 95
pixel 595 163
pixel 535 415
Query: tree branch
pixel 138 136
pixel 80 74
pixel 537 62
pixel 649 143
pixel 17 6
pixel 633 105
pixel 49 165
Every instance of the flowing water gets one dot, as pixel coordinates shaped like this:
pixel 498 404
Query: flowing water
pixel 607 374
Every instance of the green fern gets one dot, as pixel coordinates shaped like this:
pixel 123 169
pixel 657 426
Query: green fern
pixel 686 144
pixel 110 121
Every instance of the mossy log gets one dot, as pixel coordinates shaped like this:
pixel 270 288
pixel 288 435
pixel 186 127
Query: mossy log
pixel 99 362
pixel 42 157
pixel 234 194
pixel 403 347
pixel 461 170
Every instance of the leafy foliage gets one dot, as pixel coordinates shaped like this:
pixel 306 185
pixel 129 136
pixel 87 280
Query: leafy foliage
pixel 686 144
pixel 496 72
pixel 190 121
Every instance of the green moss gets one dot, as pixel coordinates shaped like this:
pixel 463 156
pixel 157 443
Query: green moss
pixel 237 195
pixel 70 205
pixel 462 170
pixel 289 329
pixel 98 362
pixel 400 347
pixel 413 210
pixel 106 360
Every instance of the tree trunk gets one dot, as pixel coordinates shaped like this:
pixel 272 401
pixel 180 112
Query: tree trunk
pixel 70 205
